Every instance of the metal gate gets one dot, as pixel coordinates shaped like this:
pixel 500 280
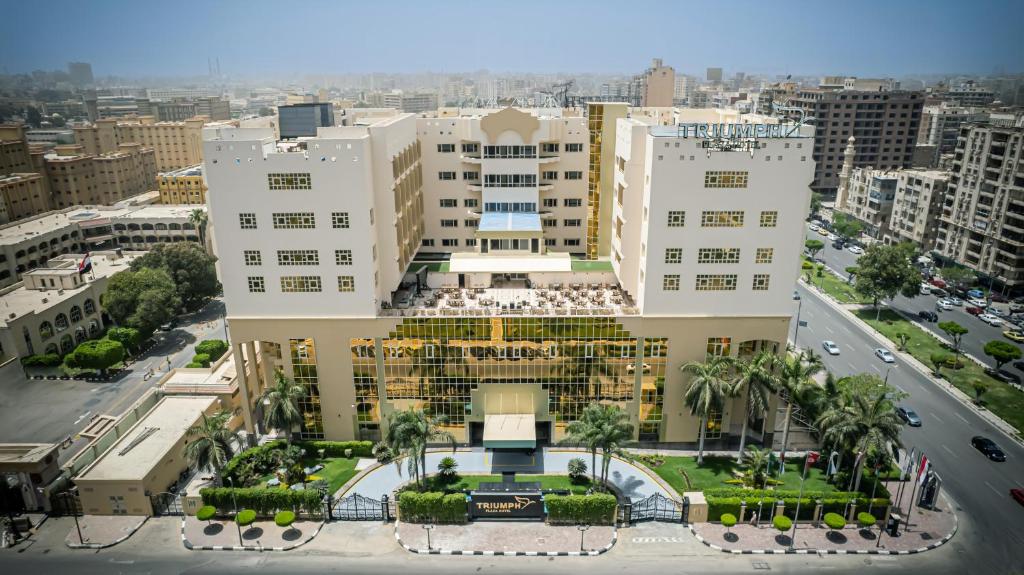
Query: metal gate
pixel 359 508
pixel 65 504
pixel 657 507
pixel 166 504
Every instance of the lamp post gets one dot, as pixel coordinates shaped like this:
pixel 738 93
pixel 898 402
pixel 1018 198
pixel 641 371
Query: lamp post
pixel 428 527
pixel 69 500
pixel 796 331
pixel 583 531
pixel 809 460
pixel 234 502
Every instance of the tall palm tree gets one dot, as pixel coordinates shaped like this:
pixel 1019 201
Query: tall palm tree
pixel 585 432
pixel 199 218
pixel 707 392
pixel 869 422
pixel 612 434
pixel 795 378
pixel 281 402
pixel 214 444
pixel 410 431
pixel 756 379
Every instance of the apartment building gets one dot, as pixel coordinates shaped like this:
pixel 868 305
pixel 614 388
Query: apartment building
pixel 917 205
pixel 412 102
pixel 76 178
pixel 940 125
pixel 869 198
pixel 657 85
pixel 968 94
pixel 23 195
pixel 317 240
pixel 982 221
pixel 184 186
pixel 176 144
pixel 884 123
pixel 216 109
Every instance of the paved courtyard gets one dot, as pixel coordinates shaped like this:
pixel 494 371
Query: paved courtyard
pixel 264 534
pixel 532 536
pixel 102 530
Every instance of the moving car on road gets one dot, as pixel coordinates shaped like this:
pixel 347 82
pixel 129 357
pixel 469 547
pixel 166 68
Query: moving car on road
pixel 926 288
pixel 990 319
pixel 928 315
pixel 909 416
pixel 1017 494
pixel 988 447
pixel 830 347
pixel 977 302
pixel 856 250
pixel 1002 375
pixel 885 355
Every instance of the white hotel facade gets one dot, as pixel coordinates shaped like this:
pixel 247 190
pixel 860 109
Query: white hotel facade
pixel 481 264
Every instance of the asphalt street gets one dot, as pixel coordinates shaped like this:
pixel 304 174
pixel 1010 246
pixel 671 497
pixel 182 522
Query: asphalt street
pixel 992 527
pixel 972 343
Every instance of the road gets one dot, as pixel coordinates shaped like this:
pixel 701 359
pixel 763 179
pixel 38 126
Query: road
pixel 51 410
pixel 991 523
pixel 972 343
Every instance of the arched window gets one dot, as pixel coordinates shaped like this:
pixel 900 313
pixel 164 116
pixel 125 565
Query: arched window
pixel 174 226
pixel 120 227
pixel 147 226
pixel 61 321
pixel 52 348
pixel 19 254
pixel 94 328
pixel 90 307
pixel 64 238
pixel 53 241
pixel 43 246
pixel 178 238
pixel 150 239
pixel 161 226
pixel 32 249
pixel 45 330
pixel 4 274
pixel 76 314
pixel 67 345
pixel 187 226
pixel 133 226
pixel 80 334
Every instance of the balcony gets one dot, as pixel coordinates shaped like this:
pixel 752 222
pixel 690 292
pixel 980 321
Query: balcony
pixel 470 159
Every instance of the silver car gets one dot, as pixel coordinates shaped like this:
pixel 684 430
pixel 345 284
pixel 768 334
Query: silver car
pixel 830 347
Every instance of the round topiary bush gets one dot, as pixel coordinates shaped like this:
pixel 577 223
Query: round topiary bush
pixel 284 518
pixel 206 513
pixel 245 517
pixel 782 523
pixel 834 521
pixel 866 520
pixel 728 521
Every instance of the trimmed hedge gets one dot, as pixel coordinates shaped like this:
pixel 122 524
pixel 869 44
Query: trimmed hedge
pixel 596 509
pixel 43 360
pixel 265 502
pixel 331 449
pixel 728 499
pixel 245 517
pixel 200 359
pixel 432 507
pixel 212 348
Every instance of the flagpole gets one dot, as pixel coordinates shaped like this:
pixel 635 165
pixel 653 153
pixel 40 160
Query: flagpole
pixel 913 490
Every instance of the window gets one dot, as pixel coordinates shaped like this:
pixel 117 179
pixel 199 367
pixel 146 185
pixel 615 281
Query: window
pixel 252 257
pixel 717 219
pixel 89 306
pixel 471 148
pixel 676 219
pixel 716 282
pixel 725 179
pixel 510 151
pixel 339 220
pixel 673 255
pixel 298 258
pixel 574 147
pixel 343 257
pixel 574 175
pixel 510 207
pixel 670 282
pixel 296 284
pixel 550 202
pixel 247 221
pixel 550 242
pixel 510 180
pixel 256 284
pixel 552 175
pixel 294 220
pixel 346 283
pixel 449 203
pixel 549 148
pixel 571 242
pixel 571 223
pixel 427 243
pixel 470 223
pixel 449 223
pixel 764 255
pixel 289 181
pixel 769 219
pixel 470 203
pixel 549 223
pixel 470 175
pixel 450 242
pixel 471 243
pixel 445 148
pixel 761 282
pixel 718 256
pixel 714 425
pixel 572 202
pixel 446 175
pixel 719 346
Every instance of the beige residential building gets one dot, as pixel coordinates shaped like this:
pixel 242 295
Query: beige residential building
pixel 869 199
pixel 176 144
pixel 14 150
pixel 917 206
pixel 22 196
pixel 78 178
pixel 184 186
pixel 658 85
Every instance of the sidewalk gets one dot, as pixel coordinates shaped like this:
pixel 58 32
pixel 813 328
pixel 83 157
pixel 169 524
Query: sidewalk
pixel 101 531
pixel 497 538
pixel 223 535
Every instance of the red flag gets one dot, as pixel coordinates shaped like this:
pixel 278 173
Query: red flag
pixel 812 458
pixel 922 471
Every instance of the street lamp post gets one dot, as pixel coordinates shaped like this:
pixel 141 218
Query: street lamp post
pixel 810 459
pixel 583 530
pixel 796 331
pixel 428 527
pixel 234 502
pixel 69 501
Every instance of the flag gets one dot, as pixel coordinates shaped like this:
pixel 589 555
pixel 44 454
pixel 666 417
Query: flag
pixel 922 472
pixel 832 464
pixel 85 265
pixel 908 468
pixel 812 458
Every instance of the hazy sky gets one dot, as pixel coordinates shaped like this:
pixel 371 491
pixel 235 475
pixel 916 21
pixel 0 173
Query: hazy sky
pixel 256 37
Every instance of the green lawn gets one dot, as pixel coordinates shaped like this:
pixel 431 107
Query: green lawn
pixel 716 470
pixel 838 289
pixel 431 266
pixel 591 265
pixel 336 471
pixel 1001 399
pixel 546 482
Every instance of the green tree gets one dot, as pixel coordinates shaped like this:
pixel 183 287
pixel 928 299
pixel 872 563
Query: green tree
pixel 99 354
pixel 708 389
pixel 577 468
pixel 815 203
pixel 868 419
pixel 448 468
pixel 795 378
pixel 199 218
pixel 215 348
pixel 886 271
pixel 957 277
pixel 851 273
pixel 33 117
pixel 129 337
pixel 1002 352
pixel 143 299
pixel 281 405
pixel 211 444
pixel 939 360
pixel 585 432
pixel 190 268
pixel 755 472
pixel 902 338
pixel 979 388
pixel 410 431
pixel 845 226
pixel 814 246
pixel 614 432
pixel 756 381
pixel 956 332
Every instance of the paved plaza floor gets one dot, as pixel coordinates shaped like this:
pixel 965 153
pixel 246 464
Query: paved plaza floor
pixel 263 534
pixel 506 537
pixel 102 530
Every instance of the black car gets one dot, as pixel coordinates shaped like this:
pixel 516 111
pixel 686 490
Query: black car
pixel 928 315
pixel 838 244
pixel 909 416
pixel 988 447
pixel 1019 365
pixel 1003 375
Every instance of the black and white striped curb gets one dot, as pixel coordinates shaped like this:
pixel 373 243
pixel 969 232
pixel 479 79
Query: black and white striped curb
pixel 591 553
pixel 105 545
pixel 188 544
pixel 871 551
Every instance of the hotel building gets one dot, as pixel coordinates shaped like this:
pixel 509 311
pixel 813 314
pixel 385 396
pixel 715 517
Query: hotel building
pixel 333 254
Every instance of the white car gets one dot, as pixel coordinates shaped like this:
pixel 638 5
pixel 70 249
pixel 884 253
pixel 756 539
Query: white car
pixel 856 250
pixel 990 319
pixel 885 355
pixel 813 227
pixel 944 304
pixel 978 303
pixel 832 237
pixel 955 301
pixel 926 289
pixel 830 346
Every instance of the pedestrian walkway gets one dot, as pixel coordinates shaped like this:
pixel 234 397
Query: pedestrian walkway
pixel 225 535
pixel 498 538
pixel 101 531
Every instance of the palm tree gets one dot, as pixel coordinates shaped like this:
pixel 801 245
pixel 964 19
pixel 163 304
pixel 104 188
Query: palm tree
pixel 214 443
pixel 612 433
pixel 282 405
pixel 756 379
pixel 795 378
pixel 199 218
pixel 867 422
pixel 585 431
pixel 707 392
pixel 756 473
pixel 410 431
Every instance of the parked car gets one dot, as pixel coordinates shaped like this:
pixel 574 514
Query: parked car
pixel 974 310
pixel 832 237
pixel 988 447
pixel 1002 375
pixel 978 302
pixel 996 311
pixel 925 289
pixel 838 245
pixel 1019 365
pixel 999 298
pixel 885 355
pixel 938 283
pixel 1017 494
pixel 830 347
pixel 939 292
pixel 943 305
pixel 990 319
pixel 976 294
pixel 909 416
pixel 1014 335
pixel 928 315
pixel 955 301
pixel 856 250
pixel 796 295
pixel 813 227
pixel 822 232
pixel 1016 308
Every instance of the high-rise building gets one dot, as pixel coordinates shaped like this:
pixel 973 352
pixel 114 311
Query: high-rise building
pixel 80 73
pixel 411 102
pixel 940 125
pixel 657 85
pixel 77 178
pixel 982 221
pixel 302 120
pixel 215 109
pixel 317 243
pixel 968 94
pixel 917 206
pixel 176 144
pixel 184 186
pixel 869 199
pixel 714 75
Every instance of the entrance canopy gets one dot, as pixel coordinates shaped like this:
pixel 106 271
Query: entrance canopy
pixel 510 431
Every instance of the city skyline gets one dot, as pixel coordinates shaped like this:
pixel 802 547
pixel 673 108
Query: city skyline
pixel 336 39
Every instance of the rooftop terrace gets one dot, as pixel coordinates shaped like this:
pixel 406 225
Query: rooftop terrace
pixel 514 298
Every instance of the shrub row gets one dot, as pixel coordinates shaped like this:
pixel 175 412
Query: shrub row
pixel 44 360
pixel 331 449
pixel 596 509
pixel 262 501
pixel 835 502
pixel 212 348
pixel 432 507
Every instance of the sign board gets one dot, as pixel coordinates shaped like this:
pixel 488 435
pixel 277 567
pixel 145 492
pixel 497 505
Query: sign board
pixel 735 131
pixel 506 506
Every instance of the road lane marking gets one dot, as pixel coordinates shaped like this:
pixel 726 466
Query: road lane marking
pixel 939 419
pixel 853 367
pixel 829 329
pixel 964 419
pixel 81 417
pixel 948 449
pixel 874 367
pixel 996 491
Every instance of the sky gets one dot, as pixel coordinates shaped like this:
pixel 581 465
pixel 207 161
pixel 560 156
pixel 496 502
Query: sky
pixel 258 38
